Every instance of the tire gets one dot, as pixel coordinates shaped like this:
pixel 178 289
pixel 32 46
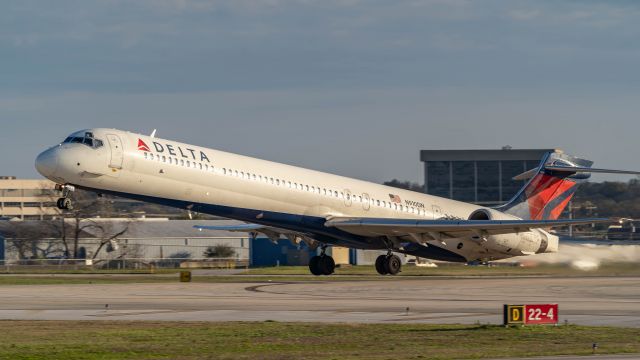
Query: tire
pixel 314 266
pixel 327 265
pixel 380 265
pixel 393 264
pixel 67 204
pixel 59 204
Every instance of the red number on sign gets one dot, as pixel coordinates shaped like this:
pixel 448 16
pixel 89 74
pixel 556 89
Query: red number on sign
pixel 541 314
pixel 534 314
pixel 550 314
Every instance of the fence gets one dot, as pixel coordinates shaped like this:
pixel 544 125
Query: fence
pixel 121 264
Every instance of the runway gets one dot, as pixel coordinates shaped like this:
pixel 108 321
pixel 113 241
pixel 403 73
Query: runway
pixel 582 300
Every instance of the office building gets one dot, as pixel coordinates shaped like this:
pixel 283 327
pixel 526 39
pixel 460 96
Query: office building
pixel 478 176
pixel 27 199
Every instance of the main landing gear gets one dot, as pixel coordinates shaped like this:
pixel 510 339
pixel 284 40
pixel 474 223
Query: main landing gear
pixel 323 264
pixel 388 264
pixel 65 203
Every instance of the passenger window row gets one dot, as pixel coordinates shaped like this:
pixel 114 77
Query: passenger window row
pixel 286 183
pixel 178 162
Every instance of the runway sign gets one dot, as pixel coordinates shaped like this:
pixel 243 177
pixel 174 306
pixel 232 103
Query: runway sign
pixel 531 314
pixel 185 276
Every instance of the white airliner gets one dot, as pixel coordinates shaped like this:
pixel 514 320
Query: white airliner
pixel 321 209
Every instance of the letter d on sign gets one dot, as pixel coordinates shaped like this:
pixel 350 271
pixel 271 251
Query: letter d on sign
pixel 514 314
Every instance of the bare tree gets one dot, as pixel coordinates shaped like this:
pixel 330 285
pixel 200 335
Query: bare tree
pixel 32 240
pixel 108 235
pixel 22 240
pixel 71 225
pixel 86 206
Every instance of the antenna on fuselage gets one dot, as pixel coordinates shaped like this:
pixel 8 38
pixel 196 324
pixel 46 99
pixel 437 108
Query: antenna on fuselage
pixel 153 134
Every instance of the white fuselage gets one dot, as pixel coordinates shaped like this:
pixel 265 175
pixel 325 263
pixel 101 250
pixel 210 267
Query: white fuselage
pixel 263 192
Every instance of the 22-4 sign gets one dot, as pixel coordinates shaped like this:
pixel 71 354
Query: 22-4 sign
pixel 531 314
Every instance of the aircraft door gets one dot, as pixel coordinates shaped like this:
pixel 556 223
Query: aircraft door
pixel 117 152
pixel 348 198
pixel 366 202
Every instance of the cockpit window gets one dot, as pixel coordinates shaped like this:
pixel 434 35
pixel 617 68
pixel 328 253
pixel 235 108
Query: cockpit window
pixel 73 139
pixel 88 140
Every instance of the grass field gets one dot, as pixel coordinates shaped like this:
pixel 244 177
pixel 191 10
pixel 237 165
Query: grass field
pixel 273 340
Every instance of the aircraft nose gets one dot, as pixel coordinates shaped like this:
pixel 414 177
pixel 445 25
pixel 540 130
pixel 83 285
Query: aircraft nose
pixel 47 162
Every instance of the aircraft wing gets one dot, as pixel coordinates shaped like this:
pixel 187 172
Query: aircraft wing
pixel 442 229
pixel 273 233
pixel 235 228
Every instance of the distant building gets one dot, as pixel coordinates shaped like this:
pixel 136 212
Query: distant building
pixel 477 176
pixel 146 241
pixel 27 199
pixel 166 239
pixel 140 239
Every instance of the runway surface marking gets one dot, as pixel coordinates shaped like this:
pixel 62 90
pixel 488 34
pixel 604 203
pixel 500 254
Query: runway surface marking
pixel 582 300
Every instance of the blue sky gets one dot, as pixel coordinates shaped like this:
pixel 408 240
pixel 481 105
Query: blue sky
pixel 352 87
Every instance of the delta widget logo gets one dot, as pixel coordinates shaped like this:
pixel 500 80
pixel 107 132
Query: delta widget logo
pixel 142 146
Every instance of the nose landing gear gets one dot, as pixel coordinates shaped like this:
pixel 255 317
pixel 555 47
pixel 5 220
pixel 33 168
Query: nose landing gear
pixel 65 203
pixel 323 264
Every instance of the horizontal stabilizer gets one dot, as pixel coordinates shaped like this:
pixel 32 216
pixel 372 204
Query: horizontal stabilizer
pixel 571 169
pixel 574 169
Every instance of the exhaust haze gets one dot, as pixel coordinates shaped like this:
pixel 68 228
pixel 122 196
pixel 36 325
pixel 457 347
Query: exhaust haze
pixel 590 256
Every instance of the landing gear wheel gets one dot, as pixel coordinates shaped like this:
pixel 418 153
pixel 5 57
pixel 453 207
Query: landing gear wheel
pixel 314 266
pixel 327 264
pixel 322 265
pixel 64 204
pixel 380 267
pixel 393 264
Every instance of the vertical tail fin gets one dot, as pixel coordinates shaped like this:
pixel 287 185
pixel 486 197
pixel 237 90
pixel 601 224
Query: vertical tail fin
pixel 551 186
pixel 548 191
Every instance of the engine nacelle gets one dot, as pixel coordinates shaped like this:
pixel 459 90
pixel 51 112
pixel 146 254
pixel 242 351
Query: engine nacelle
pixel 522 243
pixel 490 214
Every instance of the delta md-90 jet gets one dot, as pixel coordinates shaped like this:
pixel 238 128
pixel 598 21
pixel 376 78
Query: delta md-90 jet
pixel 321 209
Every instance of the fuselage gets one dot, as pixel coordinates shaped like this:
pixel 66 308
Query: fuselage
pixel 268 193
